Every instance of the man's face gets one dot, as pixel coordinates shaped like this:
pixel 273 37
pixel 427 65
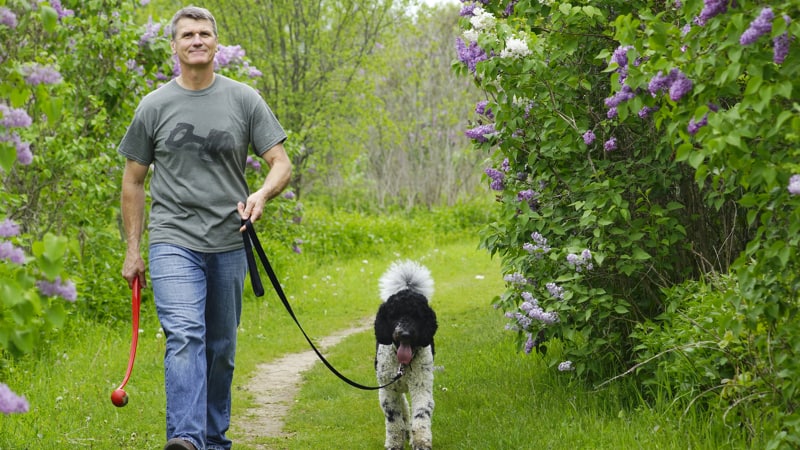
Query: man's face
pixel 195 42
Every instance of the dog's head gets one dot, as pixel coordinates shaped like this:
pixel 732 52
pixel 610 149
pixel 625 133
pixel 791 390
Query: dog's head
pixel 406 321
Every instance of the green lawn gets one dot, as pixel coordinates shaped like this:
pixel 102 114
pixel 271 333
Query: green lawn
pixel 487 395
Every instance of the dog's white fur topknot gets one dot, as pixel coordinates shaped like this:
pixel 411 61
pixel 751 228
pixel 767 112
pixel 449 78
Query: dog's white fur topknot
pixel 403 275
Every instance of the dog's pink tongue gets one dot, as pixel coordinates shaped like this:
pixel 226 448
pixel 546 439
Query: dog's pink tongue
pixel 404 354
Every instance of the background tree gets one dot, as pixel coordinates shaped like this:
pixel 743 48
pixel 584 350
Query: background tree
pixel 374 114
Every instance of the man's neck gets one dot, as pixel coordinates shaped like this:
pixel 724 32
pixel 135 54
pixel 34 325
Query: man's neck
pixel 195 80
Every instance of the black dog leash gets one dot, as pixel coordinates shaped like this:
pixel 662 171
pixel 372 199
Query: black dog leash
pixel 250 242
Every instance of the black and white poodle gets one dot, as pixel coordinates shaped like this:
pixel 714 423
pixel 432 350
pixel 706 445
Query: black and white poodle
pixel 404 330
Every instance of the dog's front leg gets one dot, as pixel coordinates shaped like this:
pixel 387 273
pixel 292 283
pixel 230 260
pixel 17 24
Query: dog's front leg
pixel 395 412
pixel 420 387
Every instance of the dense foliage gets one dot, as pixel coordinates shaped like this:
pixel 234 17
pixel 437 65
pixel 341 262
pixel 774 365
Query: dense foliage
pixel 639 146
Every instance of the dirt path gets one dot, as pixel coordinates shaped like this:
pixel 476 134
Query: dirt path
pixel 275 385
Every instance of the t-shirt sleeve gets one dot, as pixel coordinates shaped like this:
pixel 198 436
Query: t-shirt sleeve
pixel 266 131
pixel 137 144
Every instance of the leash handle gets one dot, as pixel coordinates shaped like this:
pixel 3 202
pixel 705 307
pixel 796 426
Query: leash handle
pixel 251 242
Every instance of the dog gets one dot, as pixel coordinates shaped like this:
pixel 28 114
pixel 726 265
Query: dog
pixel 404 329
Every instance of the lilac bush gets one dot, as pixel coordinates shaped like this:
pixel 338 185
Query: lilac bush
pixel 697 176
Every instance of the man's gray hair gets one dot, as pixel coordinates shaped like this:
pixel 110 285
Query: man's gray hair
pixel 192 12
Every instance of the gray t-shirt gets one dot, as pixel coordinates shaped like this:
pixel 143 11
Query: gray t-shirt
pixel 198 142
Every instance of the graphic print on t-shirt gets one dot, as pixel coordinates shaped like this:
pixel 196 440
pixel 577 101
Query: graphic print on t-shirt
pixel 212 148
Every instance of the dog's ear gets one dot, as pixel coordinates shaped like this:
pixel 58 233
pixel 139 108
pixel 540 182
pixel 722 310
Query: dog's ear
pixel 383 326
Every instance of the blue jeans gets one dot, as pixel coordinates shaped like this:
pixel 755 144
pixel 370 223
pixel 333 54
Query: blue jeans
pixel 198 298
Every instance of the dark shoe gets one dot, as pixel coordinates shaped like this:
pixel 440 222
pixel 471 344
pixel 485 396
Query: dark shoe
pixel 179 444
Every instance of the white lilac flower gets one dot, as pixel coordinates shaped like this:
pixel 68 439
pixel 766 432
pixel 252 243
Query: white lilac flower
pixel 482 20
pixel 565 366
pixel 794 185
pixel 470 35
pixel 515 48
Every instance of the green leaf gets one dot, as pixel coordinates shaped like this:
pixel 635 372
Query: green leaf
pixel 753 85
pixel 640 255
pixel 55 247
pixel 8 155
pixel 683 151
pixel 49 18
pixel 696 158
pixel 56 315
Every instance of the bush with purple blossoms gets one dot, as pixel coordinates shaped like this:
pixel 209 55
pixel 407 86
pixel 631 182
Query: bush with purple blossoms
pixel 696 101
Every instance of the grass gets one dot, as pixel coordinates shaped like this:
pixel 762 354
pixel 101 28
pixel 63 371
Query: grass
pixel 487 395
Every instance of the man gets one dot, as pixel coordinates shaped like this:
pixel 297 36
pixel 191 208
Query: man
pixel 196 131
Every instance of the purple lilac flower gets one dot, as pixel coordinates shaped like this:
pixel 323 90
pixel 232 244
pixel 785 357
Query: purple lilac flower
pixel 252 72
pixel 533 311
pixel 8 228
pixel 11 253
pixel 526 195
pixel 516 278
pixel 11 402
pixel 150 34
pixel 610 144
pixel 56 288
pixel 646 111
pixel 252 162
pixel 470 55
pixel 780 44
pixel 480 132
pixel 588 137
pixel 296 246
pixel 289 195
pixel 620 55
pixel 711 8
pixel 680 87
pixel 56 4
pixel 555 290
pixel 538 247
pixel 781 48
pixel 24 155
pixel 144 2
pixel 612 112
pixel 227 55
pixel 759 27
pixel 497 178
pixel 482 110
pixel 794 185
pixel 661 82
pixel 505 166
pixel 565 366
pixel 14 117
pixel 509 11
pixel 694 127
pixel 623 95
pixel 468 10
pixel 581 261
pixel 8 18
pixel 529 344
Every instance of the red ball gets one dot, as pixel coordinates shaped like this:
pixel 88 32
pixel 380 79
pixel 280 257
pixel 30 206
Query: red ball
pixel 119 398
